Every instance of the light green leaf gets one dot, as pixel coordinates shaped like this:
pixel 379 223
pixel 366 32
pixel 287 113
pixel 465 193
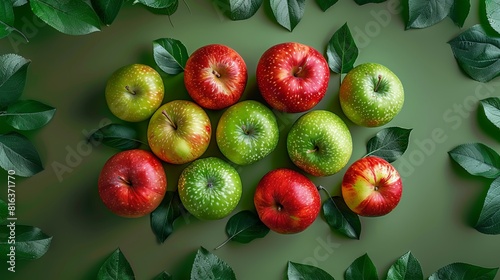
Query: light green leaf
pixel 116 267
pixel 18 154
pixel 297 271
pixel 493 14
pixel 425 13
pixel 406 267
pixel 208 266
pixel 239 9
pixel 464 271
pixel 477 159
pixel 288 13
pixel 28 114
pixel 31 242
pixel 18 3
pixel 491 107
pixel 13 70
pixel 489 219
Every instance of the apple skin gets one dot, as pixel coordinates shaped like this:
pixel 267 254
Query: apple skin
pixel 179 132
pixel 215 76
pixel 292 77
pixel 286 201
pixel 372 187
pixel 209 188
pixel 134 92
pixel 371 95
pixel 319 143
pixel 247 132
pixel 132 183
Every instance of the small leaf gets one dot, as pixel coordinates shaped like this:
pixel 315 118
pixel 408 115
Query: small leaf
pixel 425 13
pixel 28 114
pixel 116 267
pixel 6 18
pixel 208 266
pixel 339 217
pixel 361 268
pixel 170 55
pixel 406 267
pixel 163 276
pixel 239 9
pixel 116 136
pixel 491 107
pixel 389 143
pixel 244 227
pixel 31 242
pixel 325 4
pixel 4 211
pixel 288 13
pixel 463 271
pixel 477 159
pixel 493 14
pixel 156 4
pixel 13 70
pixel 107 10
pixel 297 271
pixel 18 154
pixel 163 217
pixel 459 12
pixel 342 51
pixel 489 219
pixel 363 2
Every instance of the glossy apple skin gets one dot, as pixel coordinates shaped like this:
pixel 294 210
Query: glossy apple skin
pixel 287 201
pixel 209 188
pixel 371 95
pixel 132 183
pixel 215 76
pixel 292 77
pixel 134 92
pixel 372 187
pixel 179 132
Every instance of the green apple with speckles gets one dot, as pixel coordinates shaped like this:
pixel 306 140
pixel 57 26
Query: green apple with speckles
pixel 247 132
pixel 209 188
pixel 134 92
pixel 371 95
pixel 319 143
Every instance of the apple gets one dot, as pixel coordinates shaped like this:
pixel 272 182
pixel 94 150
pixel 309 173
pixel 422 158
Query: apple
pixel 179 132
pixel 371 187
pixel 132 183
pixel 215 76
pixel 286 201
pixel 209 188
pixel 247 132
pixel 319 143
pixel 371 95
pixel 292 77
pixel 134 92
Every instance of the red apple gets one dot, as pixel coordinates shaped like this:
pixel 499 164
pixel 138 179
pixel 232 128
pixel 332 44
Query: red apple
pixel 215 76
pixel 292 77
pixel 372 187
pixel 132 183
pixel 287 201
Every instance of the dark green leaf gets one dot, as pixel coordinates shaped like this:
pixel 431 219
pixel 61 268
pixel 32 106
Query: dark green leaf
pixel 389 143
pixel 362 2
pixel 117 136
pixel 463 271
pixel 297 271
pixel 31 242
pixel 477 159
pixel 170 55
pixel 239 9
pixel 491 107
pixel 459 12
pixel 493 14
pixel 107 10
pixel 339 217
pixel 342 51
pixel 325 4
pixel 13 70
pixel 163 217
pixel 208 266
pixel 477 53
pixel 163 276
pixel 70 17
pixel 425 13
pixel 116 267
pixel 244 227
pixel 288 13
pixel 18 154
pixel 18 3
pixel 361 268
pixel 489 219
pixel 28 114
pixel 6 18
pixel 170 10
pixel 406 267
pixel 4 211
pixel 157 4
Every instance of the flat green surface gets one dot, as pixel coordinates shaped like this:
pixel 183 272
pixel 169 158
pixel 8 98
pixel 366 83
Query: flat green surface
pixel 440 201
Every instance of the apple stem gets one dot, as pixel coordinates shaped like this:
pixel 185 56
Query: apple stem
pixel 378 83
pixel 313 150
pixel 130 91
pixel 298 71
pixel 214 72
pixel 124 180
pixel 171 122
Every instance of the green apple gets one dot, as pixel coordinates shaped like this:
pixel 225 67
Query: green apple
pixel 319 143
pixel 371 95
pixel 134 92
pixel 247 132
pixel 209 188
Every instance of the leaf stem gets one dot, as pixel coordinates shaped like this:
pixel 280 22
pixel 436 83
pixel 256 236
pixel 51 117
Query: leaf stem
pixel 321 188
pixel 223 243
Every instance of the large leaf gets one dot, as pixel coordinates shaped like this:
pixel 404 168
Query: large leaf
pixel 493 14
pixel 477 53
pixel 28 114
pixel 425 13
pixel 463 271
pixel 116 267
pixel 325 4
pixel 170 55
pixel 239 9
pixel 18 154
pixel 459 12
pixel 297 271
pixel 208 266
pixel 117 136
pixel 6 18
pixel 288 13
pixel 489 219
pixel 342 51
pixel 339 217
pixel 157 4
pixel 389 143
pixel 31 242
pixel 406 267
pixel 361 268
pixel 244 227
pixel 477 159
pixel 163 217
pixel 491 107
pixel 13 70
pixel 73 17
pixel 107 10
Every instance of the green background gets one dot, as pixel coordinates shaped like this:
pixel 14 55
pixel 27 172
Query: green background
pixel 434 219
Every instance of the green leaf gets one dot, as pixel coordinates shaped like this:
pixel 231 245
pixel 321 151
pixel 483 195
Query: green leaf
pixel 493 14
pixel 116 267
pixel 459 12
pixel 491 107
pixel 18 154
pixel 4 211
pixel 170 55
pixel 116 136
pixel 339 217
pixel 156 4
pixel 477 53
pixel 31 242
pixel 389 143
pixel 6 18
pixel 342 51
pixel 363 2
pixel 477 159
pixel 463 271
pixel 406 267
pixel 28 114
pixel 170 10
pixel 239 9
pixel 163 276
pixel 107 10
pixel 425 13
pixel 208 266
pixel 73 17
pixel 326 4
pixel 288 13
pixel 163 217
pixel 297 271
pixel 489 219
pixel 18 3
pixel 361 268
pixel 13 70
pixel 244 227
